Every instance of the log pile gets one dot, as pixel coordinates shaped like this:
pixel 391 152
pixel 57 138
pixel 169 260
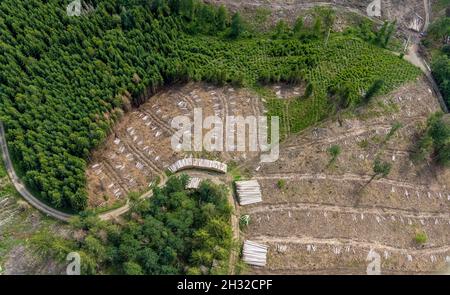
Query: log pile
pixel 249 192
pixel 254 253
pixel 192 163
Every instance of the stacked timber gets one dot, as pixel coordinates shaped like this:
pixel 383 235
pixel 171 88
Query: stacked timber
pixel 192 163
pixel 249 192
pixel 254 253
pixel 194 183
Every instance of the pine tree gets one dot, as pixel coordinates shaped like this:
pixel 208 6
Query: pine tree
pixel 237 26
pixel 222 18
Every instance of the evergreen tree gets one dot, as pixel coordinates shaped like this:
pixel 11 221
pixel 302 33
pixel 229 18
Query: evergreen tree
pixel 237 26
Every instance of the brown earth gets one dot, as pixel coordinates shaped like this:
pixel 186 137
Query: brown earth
pixel 290 9
pixel 327 218
pixel 140 149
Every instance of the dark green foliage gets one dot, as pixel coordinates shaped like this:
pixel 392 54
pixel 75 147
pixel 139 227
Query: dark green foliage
pixel 237 26
pixel 440 29
pixel 174 232
pixel 439 36
pixel 282 30
pixel 298 26
pixel 281 184
pixel 339 96
pixel 334 151
pixel 381 168
pixel 309 90
pixel 441 72
pixel 373 90
pixel 380 37
pixel 437 139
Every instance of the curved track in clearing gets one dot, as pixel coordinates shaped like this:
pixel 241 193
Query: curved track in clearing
pixel 20 187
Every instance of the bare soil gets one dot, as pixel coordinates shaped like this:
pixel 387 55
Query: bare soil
pixel 289 10
pixel 140 148
pixel 326 218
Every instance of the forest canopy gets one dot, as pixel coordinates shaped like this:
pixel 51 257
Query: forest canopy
pixel 63 79
pixel 177 231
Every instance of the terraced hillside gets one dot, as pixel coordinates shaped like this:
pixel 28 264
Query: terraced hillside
pixel 326 218
pixel 289 10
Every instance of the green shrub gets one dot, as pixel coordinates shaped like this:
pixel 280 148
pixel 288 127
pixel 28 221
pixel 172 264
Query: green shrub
pixel 281 184
pixel 421 238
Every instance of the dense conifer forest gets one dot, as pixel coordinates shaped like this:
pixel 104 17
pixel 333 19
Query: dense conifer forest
pixel 64 81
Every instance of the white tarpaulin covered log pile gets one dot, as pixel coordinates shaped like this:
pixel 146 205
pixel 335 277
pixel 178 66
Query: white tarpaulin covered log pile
pixel 192 163
pixel 194 183
pixel 254 253
pixel 249 192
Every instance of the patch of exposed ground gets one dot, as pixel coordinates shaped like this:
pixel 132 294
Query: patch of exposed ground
pixel 19 222
pixel 140 149
pixel 326 217
pixel 290 9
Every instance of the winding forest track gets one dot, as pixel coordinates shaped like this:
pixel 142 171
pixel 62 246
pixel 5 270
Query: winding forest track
pixel 44 208
pixel 418 60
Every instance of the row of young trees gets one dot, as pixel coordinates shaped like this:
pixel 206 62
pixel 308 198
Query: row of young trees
pixel 379 36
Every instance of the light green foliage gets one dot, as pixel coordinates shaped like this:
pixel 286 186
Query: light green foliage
pixel 395 127
pixel 421 238
pixel 281 184
pixel 435 141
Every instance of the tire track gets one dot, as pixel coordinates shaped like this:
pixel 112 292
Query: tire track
pixel 350 242
pixel 189 101
pixel 317 207
pixel 345 177
pixel 163 125
pixel 354 132
pixel 142 157
pixel 20 187
pixel 112 174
